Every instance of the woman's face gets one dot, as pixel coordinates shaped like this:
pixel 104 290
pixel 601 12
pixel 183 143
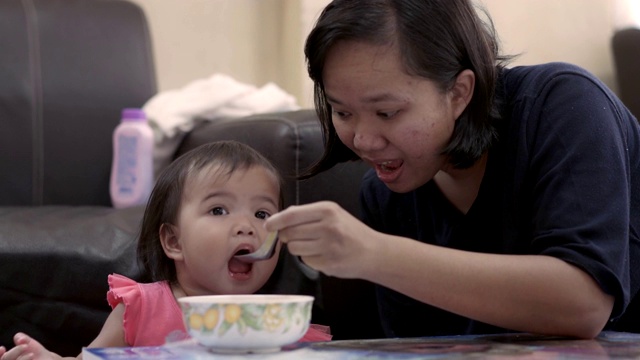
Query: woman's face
pixel 221 215
pixel 397 123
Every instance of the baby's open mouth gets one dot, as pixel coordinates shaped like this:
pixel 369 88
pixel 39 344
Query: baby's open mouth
pixel 239 267
pixel 241 252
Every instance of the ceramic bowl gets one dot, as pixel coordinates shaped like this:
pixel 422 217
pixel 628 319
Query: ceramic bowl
pixel 246 323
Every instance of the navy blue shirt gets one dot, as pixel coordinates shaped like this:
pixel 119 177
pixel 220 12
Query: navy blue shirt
pixel 562 180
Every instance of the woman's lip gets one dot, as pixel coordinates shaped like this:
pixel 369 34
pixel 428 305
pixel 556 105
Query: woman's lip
pixel 377 161
pixel 389 171
pixel 395 163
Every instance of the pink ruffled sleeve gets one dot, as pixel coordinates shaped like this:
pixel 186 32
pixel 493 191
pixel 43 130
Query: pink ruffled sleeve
pixel 126 291
pixel 317 333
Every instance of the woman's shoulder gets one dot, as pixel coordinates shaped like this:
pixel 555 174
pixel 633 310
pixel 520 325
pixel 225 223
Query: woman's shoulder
pixel 552 87
pixel 545 71
pixel 532 80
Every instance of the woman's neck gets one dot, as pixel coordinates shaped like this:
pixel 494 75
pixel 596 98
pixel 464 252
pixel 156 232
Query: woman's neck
pixel 461 186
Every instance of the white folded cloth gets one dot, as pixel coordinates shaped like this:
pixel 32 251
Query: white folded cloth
pixel 172 114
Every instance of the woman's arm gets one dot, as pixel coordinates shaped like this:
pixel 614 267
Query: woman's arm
pixel 532 293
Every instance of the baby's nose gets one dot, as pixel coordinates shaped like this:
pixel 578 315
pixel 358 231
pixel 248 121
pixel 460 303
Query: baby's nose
pixel 244 227
pixel 244 231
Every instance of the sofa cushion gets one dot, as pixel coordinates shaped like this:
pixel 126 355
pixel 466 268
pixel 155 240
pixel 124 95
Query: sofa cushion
pixel 68 68
pixel 54 262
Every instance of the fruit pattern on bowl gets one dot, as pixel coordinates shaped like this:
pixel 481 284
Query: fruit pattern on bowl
pixel 218 319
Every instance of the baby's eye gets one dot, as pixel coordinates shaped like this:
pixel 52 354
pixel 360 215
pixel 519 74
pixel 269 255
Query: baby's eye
pixel 217 211
pixel 262 215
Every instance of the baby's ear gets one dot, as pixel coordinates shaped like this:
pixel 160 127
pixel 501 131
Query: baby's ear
pixel 169 235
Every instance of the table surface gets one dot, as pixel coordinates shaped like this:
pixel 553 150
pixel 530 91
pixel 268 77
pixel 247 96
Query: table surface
pixel 609 345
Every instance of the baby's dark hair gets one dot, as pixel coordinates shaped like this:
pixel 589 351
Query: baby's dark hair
pixel 164 204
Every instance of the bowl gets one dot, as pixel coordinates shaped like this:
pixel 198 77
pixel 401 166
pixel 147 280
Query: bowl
pixel 246 323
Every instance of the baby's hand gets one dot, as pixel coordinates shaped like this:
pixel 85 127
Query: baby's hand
pixel 26 349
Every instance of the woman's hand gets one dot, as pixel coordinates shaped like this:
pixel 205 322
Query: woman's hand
pixel 327 238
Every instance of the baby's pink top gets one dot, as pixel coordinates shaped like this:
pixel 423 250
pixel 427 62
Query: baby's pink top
pixel 153 317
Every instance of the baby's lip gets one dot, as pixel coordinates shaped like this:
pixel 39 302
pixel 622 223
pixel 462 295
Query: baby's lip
pixel 244 248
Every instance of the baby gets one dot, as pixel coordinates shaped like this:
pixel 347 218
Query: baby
pixel 207 206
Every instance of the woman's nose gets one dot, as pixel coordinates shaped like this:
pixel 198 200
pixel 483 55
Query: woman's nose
pixel 368 137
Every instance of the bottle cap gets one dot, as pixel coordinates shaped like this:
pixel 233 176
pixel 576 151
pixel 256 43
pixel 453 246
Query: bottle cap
pixel 133 114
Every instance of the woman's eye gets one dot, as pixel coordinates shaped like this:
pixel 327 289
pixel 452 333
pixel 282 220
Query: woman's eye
pixel 340 114
pixel 262 215
pixel 387 114
pixel 217 211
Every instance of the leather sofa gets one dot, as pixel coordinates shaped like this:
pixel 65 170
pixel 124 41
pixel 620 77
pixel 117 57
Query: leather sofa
pixel 67 69
pixel 625 46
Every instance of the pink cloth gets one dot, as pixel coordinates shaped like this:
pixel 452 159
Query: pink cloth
pixel 153 317
pixel 317 333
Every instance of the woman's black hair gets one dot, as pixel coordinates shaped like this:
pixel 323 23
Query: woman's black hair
pixel 437 40
pixel 164 203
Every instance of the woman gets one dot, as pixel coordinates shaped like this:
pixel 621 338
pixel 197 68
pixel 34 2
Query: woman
pixel 499 199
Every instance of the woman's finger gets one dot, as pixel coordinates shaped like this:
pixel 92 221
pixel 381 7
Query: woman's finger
pixel 298 215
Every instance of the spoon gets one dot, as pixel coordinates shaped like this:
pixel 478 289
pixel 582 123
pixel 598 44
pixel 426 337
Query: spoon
pixel 264 252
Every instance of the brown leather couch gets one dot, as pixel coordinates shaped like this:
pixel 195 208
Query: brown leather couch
pixel 625 45
pixel 67 68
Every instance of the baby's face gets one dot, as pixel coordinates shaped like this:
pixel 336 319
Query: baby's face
pixel 220 216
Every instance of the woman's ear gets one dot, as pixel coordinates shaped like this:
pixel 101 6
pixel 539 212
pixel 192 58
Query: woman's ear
pixel 169 238
pixel 462 91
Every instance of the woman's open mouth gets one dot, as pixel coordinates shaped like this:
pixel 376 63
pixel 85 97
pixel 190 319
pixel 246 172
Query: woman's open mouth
pixel 390 166
pixel 388 171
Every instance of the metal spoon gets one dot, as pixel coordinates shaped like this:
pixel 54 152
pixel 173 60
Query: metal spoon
pixel 264 252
